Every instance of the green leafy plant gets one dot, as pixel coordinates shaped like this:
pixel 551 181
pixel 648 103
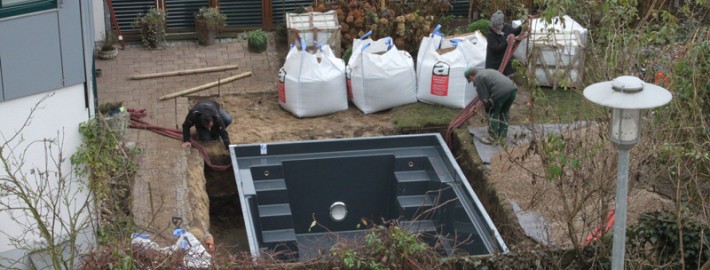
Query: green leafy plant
pixel 257 40
pixel 110 167
pixel 281 30
pixel 109 108
pixel 108 49
pixel 103 158
pixel 209 22
pixel 347 53
pixel 109 42
pixel 656 47
pixel 281 34
pixel 212 18
pixel 388 247
pixel 152 27
pixel 480 25
pixel 663 236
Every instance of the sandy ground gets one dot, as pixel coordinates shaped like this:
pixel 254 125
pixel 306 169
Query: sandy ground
pixel 259 118
pixel 574 206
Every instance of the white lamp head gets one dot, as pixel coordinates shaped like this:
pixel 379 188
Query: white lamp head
pixel 627 92
pixel 627 95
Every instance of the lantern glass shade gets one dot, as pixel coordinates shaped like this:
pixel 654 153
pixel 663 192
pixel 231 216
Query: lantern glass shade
pixel 625 126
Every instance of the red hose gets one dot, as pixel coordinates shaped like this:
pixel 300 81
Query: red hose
pixel 137 123
pixel 597 232
pixel 475 105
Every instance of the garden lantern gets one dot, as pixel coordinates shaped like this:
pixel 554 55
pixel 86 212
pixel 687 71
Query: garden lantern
pixel 627 96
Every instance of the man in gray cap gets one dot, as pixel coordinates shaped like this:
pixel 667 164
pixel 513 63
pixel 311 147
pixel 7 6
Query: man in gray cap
pixel 497 42
pixel 497 93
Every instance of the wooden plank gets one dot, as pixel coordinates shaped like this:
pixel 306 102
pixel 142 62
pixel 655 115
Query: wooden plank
pixel 183 72
pixel 206 86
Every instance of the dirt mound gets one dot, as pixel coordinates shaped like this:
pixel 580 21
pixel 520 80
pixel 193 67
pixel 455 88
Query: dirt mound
pixel 259 118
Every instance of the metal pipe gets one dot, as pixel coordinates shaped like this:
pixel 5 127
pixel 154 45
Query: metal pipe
pixel 622 179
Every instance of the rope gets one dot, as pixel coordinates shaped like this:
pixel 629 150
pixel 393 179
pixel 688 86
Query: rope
pixel 475 105
pixel 137 123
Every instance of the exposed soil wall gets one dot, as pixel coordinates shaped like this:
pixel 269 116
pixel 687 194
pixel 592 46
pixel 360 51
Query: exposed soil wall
pixel 478 176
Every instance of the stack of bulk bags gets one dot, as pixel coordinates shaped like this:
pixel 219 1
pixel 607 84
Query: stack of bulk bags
pixel 380 77
pixel 312 84
pixel 441 63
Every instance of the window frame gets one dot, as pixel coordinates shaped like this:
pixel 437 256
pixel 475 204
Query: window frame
pixel 25 8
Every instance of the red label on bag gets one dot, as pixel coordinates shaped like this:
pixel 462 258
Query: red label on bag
pixel 440 79
pixel 350 88
pixel 282 86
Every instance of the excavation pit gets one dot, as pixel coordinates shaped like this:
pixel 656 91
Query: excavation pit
pixel 285 187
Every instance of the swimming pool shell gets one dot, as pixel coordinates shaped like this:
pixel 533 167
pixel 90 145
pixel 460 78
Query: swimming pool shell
pixel 414 179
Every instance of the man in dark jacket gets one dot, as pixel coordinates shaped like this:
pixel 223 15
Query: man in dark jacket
pixel 209 119
pixel 497 93
pixel 497 38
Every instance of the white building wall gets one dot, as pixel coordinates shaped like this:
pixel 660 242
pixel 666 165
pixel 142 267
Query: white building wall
pixel 99 19
pixel 58 115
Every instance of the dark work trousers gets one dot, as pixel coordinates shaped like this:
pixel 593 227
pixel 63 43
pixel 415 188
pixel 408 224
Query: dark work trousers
pixel 498 127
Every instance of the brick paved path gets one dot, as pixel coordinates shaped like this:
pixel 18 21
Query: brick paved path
pixel 163 162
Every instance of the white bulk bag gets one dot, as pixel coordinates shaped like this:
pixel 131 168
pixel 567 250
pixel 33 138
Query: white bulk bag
pixel 560 45
pixel 560 33
pixel 440 77
pixel 310 88
pixel 380 77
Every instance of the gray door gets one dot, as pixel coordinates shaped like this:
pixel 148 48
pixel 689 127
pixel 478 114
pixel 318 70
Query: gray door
pixel 280 7
pixel 181 14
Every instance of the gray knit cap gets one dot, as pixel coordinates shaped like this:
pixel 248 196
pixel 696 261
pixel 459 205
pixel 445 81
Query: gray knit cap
pixel 497 19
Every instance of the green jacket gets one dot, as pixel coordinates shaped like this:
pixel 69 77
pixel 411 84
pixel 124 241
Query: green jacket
pixel 490 83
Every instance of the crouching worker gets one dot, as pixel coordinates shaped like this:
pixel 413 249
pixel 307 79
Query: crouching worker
pixel 497 93
pixel 210 120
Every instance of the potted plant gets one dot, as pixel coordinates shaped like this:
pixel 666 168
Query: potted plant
pixel 257 41
pixel 209 22
pixel 116 117
pixel 152 27
pixel 108 49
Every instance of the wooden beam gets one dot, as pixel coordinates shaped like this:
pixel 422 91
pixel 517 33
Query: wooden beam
pixel 206 86
pixel 182 72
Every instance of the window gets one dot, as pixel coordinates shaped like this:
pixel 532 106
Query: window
pixel 16 7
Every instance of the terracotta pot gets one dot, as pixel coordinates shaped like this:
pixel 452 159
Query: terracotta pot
pixel 205 35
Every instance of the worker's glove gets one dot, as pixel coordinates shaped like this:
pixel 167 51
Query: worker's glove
pixel 488 105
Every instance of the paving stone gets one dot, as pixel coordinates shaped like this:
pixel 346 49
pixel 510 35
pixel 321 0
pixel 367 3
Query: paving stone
pixel 163 162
